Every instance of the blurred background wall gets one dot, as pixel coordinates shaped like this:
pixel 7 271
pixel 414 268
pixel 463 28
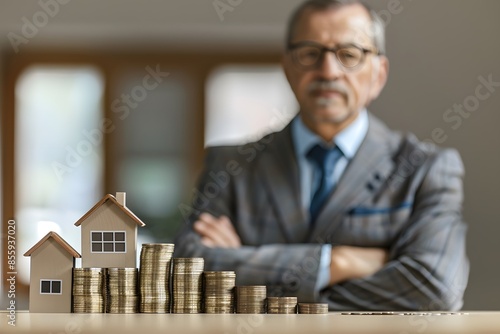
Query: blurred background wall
pixel 120 95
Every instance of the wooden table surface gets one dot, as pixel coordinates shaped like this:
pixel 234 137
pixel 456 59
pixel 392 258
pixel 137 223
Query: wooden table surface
pixel 471 322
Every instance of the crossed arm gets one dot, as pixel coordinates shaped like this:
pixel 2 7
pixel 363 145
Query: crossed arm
pixel 346 263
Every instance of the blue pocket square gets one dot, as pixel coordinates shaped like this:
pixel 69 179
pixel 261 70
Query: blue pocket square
pixel 373 211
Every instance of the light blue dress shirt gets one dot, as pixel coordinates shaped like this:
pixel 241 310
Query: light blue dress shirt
pixel 348 140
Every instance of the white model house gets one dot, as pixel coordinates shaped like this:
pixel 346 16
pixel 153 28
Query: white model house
pixel 51 276
pixel 109 234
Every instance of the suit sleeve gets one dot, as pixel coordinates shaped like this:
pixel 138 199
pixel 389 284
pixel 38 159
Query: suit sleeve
pixel 286 269
pixel 429 267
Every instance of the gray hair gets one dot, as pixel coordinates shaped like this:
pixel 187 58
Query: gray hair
pixel 378 25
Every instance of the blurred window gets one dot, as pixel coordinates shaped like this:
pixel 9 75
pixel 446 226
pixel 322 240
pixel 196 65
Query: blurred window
pixel 59 152
pixel 245 102
pixel 152 148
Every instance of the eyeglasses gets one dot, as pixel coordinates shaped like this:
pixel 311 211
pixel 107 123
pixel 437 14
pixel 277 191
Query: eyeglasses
pixel 309 55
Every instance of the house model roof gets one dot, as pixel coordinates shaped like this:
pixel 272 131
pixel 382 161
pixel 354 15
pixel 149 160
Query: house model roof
pixel 111 198
pixel 57 239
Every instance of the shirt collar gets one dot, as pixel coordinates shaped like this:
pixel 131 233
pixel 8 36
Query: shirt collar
pixel 348 140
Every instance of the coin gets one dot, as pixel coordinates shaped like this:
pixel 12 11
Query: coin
pixel 251 299
pixel 88 285
pixel 218 289
pixel 313 308
pixel 154 278
pixel 282 305
pixel 122 294
pixel 187 285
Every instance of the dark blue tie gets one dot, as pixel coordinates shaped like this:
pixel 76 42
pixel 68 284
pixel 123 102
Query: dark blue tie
pixel 324 160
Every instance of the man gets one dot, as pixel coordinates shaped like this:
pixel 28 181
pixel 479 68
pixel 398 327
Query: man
pixel 336 207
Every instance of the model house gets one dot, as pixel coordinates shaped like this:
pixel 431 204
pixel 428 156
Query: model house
pixel 51 277
pixel 109 234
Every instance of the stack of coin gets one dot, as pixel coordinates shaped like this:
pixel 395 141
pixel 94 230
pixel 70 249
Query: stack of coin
pixel 187 285
pixel 121 290
pixel 281 305
pixel 154 278
pixel 311 308
pixel 88 287
pixel 218 291
pixel 251 299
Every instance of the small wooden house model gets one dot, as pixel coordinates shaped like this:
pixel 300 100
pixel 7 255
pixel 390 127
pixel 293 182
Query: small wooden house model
pixel 51 277
pixel 109 234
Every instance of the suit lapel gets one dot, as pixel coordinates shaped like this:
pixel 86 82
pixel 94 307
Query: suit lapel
pixel 278 165
pixel 364 175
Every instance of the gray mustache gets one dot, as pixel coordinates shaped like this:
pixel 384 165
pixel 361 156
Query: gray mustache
pixel 328 85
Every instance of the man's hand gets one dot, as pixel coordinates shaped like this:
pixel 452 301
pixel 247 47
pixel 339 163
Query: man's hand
pixel 355 262
pixel 217 232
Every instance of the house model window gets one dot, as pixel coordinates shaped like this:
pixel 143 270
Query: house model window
pixel 48 286
pixel 107 241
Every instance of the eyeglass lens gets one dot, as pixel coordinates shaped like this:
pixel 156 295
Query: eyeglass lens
pixel 311 55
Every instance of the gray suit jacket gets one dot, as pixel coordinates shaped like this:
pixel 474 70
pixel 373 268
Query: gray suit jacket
pixel 397 193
